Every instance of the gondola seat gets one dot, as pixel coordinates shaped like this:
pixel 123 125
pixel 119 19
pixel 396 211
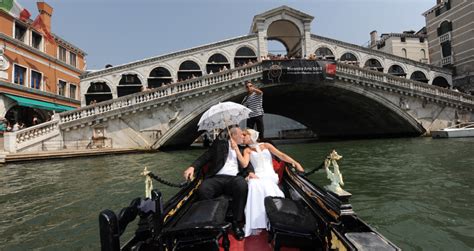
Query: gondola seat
pixel 200 227
pixel 290 224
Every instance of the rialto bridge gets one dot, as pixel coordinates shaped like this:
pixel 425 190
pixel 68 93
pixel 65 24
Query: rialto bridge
pixel 156 102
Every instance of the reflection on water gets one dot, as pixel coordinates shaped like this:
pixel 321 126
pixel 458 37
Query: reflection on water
pixel 416 192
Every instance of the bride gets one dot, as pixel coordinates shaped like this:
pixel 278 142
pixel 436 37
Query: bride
pixel 264 182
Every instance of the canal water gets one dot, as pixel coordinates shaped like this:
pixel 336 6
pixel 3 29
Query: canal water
pixel 417 192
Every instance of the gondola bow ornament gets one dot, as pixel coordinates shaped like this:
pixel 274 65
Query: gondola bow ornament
pixel 336 176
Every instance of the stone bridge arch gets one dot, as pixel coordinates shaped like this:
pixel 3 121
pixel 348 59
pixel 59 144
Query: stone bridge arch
pixel 332 110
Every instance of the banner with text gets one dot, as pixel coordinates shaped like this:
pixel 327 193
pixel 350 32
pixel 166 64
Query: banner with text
pixel 297 71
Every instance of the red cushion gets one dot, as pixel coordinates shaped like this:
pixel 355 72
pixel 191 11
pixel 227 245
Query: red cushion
pixel 279 167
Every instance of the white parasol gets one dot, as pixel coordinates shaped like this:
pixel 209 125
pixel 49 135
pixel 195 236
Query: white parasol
pixel 222 115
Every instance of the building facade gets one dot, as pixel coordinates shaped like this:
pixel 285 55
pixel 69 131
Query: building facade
pixel 39 71
pixel 408 44
pixel 450 31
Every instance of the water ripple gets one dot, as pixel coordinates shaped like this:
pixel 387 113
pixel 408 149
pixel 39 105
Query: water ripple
pixel 416 192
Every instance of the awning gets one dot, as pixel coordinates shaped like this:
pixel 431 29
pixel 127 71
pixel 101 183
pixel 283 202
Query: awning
pixel 22 101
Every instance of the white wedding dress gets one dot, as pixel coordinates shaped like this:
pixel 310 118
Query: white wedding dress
pixel 265 185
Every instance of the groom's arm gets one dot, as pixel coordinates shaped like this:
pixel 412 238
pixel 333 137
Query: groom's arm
pixel 200 162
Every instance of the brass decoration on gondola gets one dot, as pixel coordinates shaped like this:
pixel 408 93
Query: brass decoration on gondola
pixel 336 244
pixel 181 202
pixel 148 183
pixel 336 176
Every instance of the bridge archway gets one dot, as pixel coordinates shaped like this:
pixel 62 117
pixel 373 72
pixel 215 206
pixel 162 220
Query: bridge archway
pixel 244 55
pixel 324 53
pixel 349 58
pixel 373 64
pixel 189 69
pixel 419 76
pixel 129 84
pixel 216 63
pixel 288 34
pixel 277 48
pixel 397 70
pixel 98 92
pixel 441 82
pixel 158 77
pixel 333 110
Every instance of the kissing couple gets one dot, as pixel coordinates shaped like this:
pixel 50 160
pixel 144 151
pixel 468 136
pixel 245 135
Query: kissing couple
pixel 242 168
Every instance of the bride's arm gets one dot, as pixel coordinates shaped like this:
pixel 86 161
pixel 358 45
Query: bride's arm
pixel 243 159
pixel 284 157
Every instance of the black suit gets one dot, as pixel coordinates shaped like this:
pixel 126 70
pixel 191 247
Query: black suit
pixel 214 185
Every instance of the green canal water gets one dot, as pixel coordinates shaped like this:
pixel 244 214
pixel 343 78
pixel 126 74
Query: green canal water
pixel 417 192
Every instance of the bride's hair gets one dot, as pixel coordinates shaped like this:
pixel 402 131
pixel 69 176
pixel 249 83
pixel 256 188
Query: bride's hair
pixel 253 135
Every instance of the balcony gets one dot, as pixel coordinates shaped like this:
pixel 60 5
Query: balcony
pixel 445 37
pixel 446 60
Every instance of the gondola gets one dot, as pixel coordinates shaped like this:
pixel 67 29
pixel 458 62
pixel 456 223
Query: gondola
pixel 308 218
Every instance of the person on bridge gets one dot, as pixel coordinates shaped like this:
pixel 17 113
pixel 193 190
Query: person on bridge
pixel 254 101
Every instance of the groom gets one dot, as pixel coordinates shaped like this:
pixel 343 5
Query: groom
pixel 225 176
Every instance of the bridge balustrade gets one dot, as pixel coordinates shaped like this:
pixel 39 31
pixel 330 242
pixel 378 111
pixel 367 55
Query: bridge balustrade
pixel 419 87
pixel 157 93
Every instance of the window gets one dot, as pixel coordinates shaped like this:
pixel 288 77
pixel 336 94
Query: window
pixel 422 39
pixel 36 40
pixel 20 32
pixel 72 59
pixel 62 53
pixel 72 91
pixel 444 28
pixel 446 7
pixel 62 88
pixel 446 49
pixel 380 45
pixel 19 75
pixel 403 39
pixel 404 52
pixel 423 53
pixel 36 78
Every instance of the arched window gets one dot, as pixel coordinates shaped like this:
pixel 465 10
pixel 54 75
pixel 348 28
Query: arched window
pixel 444 28
pixel 158 77
pixel 396 70
pixel 373 64
pixel 244 55
pixel 423 54
pixel 324 53
pixel 419 76
pixel 348 58
pixel 129 84
pixel 404 53
pixel 441 82
pixel 98 92
pixel 189 69
pixel 217 63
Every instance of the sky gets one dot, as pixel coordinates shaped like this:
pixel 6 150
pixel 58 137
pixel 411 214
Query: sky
pixel 121 31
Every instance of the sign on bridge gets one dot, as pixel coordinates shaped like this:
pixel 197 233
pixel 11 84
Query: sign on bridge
pixel 297 71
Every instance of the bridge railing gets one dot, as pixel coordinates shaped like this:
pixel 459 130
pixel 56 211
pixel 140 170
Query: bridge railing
pixel 405 83
pixel 14 141
pixel 157 93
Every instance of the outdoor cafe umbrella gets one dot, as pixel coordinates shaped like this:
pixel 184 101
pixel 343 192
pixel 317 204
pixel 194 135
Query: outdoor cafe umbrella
pixel 222 115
